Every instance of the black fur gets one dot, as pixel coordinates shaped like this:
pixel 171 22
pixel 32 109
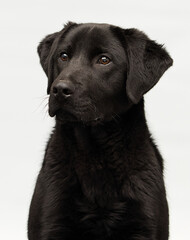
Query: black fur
pixel 102 174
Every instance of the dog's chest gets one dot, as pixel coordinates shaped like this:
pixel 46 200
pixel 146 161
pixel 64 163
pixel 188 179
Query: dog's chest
pixel 101 220
pixel 100 173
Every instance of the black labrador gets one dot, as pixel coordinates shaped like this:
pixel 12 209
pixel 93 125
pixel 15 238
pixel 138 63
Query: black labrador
pixel 102 174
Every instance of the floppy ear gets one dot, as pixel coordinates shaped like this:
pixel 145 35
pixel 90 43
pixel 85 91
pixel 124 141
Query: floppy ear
pixel 46 50
pixel 147 63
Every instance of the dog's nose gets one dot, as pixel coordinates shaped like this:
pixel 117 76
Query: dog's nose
pixel 63 89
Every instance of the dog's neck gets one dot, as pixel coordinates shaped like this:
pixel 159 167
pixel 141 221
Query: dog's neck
pixel 130 125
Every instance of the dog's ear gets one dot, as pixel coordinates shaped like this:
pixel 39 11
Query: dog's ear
pixel 46 50
pixel 147 62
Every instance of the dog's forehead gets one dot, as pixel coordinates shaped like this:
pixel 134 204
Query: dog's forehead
pixel 91 35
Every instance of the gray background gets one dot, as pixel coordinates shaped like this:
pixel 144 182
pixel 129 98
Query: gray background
pixel 25 124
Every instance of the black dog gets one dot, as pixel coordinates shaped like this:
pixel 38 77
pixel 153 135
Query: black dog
pixel 102 175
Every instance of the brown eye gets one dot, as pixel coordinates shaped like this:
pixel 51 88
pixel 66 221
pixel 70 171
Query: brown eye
pixel 104 60
pixel 64 56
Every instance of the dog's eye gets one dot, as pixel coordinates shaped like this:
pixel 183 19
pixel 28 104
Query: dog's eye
pixel 104 60
pixel 64 56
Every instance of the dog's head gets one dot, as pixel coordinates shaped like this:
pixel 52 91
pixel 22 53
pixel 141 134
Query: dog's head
pixel 97 71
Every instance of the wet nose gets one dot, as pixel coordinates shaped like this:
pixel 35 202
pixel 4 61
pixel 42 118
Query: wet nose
pixel 63 89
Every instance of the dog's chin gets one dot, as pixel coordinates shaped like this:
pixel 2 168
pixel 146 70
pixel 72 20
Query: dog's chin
pixel 65 117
